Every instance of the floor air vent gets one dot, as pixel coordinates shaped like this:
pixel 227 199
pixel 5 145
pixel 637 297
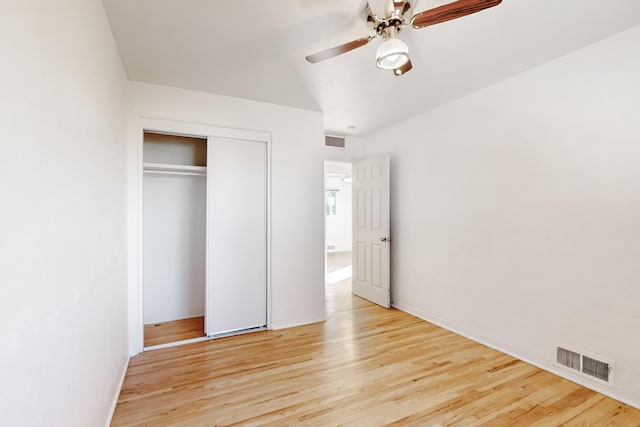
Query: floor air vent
pixel 586 365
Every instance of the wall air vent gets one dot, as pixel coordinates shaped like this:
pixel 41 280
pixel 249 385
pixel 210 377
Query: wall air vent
pixel 568 358
pixel 585 365
pixel 596 368
pixel 334 141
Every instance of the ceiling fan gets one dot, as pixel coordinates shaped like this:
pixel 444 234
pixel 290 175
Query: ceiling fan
pixel 392 16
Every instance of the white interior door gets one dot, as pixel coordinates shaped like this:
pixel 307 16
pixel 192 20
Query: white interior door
pixel 371 237
pixel 236 235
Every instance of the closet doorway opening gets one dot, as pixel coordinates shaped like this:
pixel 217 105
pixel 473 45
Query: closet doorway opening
pixel 338 232
pixel 205 233
pixel 174 238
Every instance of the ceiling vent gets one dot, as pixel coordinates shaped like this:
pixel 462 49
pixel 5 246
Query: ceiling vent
pixel 602 370
pixel 334 141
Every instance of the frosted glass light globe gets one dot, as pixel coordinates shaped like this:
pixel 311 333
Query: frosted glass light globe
pixel 392 53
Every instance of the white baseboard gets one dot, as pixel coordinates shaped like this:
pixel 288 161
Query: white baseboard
pixel 519 354
pixel 294 325
pixel 116 395
pixel 176 343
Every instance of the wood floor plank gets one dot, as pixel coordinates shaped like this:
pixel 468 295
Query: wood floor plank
pixel 364 366
pixel 174 331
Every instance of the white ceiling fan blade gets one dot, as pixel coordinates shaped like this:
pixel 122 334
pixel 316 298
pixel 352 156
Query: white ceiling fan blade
pixel 381 8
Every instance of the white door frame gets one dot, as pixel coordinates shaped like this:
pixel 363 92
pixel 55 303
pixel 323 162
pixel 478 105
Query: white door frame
pixel 135 233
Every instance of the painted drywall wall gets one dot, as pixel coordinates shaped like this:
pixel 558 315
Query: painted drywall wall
pixel 351 151
pixel 63 230
pixel 174 240
pixel 515 211
pixel 297 154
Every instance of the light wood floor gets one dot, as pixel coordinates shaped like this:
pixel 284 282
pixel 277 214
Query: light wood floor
pixel 338 260
pixel 177 330
pixel 365 366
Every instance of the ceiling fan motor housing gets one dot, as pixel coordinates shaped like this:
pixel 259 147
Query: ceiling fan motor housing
pixel 400 17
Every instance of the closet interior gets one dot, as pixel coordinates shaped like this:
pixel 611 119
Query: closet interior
pixel 174 237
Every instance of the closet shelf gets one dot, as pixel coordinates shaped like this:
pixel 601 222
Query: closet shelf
pixel 174 169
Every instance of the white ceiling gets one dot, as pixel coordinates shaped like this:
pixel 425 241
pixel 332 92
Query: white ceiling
pixel 255 49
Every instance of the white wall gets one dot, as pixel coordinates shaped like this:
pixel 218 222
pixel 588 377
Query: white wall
pixel 63 230
pixel 515 211
pixel 174 240
pixel 297 153
pixel 351 152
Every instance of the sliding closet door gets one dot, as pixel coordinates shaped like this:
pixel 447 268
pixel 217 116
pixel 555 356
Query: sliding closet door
pixel 236 235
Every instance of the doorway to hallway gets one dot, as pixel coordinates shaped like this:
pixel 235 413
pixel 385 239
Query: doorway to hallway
pixel 338 220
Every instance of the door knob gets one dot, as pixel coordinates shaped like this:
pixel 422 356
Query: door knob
pixel 385 239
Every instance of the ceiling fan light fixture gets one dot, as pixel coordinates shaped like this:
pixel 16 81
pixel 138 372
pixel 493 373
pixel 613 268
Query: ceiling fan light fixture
pixel 392 53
